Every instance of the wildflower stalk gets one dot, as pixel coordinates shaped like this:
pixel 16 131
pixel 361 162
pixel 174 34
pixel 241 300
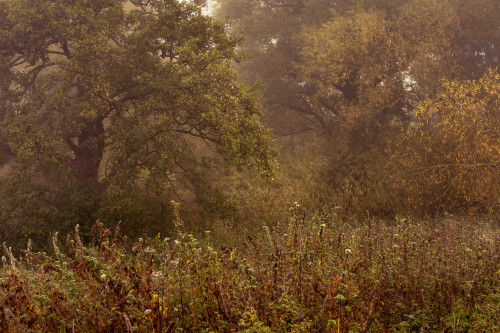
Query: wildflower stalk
pixel 8 252
pixel 56 248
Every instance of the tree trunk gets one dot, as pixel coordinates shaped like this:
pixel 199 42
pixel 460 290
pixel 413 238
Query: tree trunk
pixel 89 152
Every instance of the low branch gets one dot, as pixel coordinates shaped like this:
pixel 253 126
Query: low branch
pixel 318 118
pixel 72 145
pixel 198 135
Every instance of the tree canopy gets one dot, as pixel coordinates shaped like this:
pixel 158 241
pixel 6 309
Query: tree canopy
pixel 100 97
pixel 334 63
pixel 353 73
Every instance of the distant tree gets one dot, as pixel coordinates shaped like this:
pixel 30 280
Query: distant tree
pixel 450 158
pixel 103 102
pixel 272 52
pixel 352 59
pixel 375 63
pixel 358 63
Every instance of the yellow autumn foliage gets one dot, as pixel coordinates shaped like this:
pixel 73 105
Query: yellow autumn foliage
pixel 450 156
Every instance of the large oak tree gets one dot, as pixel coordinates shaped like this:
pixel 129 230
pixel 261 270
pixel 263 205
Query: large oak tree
pixel 102 103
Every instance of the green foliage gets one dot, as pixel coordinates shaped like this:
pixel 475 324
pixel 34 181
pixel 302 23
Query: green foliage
pixel 302 274
pixel 103 104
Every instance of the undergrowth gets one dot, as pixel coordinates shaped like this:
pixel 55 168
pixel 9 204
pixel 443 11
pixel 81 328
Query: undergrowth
pixel 303 274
